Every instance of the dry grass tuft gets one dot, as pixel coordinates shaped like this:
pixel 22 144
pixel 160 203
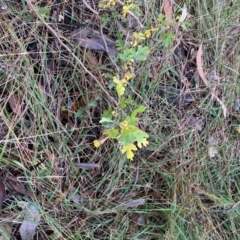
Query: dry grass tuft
pixel 49 115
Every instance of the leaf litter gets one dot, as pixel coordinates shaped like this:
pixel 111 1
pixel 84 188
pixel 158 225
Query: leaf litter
pixel 18 187
pixel 184 13
pixel 200 65
pixel 92 39
pixel 177 97
pixel 31 220
pixel 168 9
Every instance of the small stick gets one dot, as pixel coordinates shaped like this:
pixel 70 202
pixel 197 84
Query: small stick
pixel 88 165
pixel 106 47
pixel 90 8
pixel 231 208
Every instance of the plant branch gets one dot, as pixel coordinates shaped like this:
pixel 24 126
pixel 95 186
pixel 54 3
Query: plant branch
pixel 90 8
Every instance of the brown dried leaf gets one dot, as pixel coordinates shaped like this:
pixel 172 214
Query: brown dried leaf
pixel 31 220
pixel 134 203
pixel 15 102
pixel 184 13
pixel 18 187
pixel 2 193
pixel 168 9
pixel 92 39
pixel 199 65
pixel 78 104
pixel 51 67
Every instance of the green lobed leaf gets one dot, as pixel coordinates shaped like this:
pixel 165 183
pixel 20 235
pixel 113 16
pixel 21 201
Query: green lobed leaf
pixel 141 53
pixel 105 120
pixel 128 136
pixel 120 90
pixel 107 113
pixel 140 109
pixel 167 39
pixel 127 55
pixel 132 121
pixel 111 133
pixel 131 134
pixel 124 101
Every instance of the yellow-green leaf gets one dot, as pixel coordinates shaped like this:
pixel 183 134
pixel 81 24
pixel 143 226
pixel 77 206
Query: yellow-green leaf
pixel 144 143
pixel 127 8
pixel 127 76
pixel 96 143
pixel 111 133
pixel 116 80
pixel 238 129
pixel 119 86
pixel 139 36
pixel 148 33
pixel 120 90
pixel 129 151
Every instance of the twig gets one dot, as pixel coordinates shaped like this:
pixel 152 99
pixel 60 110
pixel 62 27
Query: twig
pixel 132 14
pixel 90 8
pixel 88 165
pixel 214 96
pixel 231 208
pixel 106 47
pixel 226 211
pixel 69 50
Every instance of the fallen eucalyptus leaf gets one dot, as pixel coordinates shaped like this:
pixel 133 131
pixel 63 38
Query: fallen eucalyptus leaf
pixel 168 10
pixel 184 13
pixel 92 39
pixel 18 187
pixel 15 103
pixel 30 222
pixel 134 203
pixel 199 65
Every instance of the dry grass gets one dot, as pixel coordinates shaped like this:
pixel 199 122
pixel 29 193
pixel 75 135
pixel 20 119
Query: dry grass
pixel 50 112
